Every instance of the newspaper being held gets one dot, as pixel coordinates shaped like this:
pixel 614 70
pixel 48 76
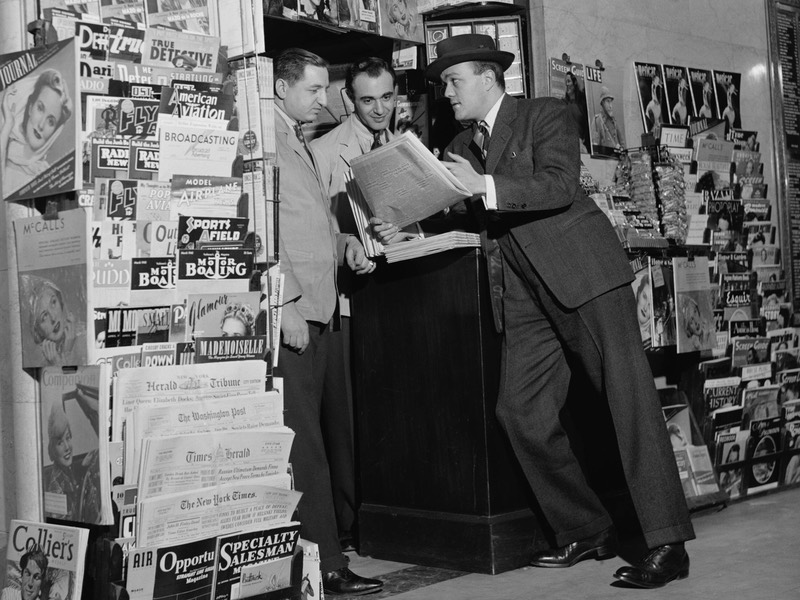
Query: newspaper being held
pixel 361 213
pixel 175 464
pixel 182 383
pixel 217 414
pixel 431 245
pixel 197 514
pixel 403 182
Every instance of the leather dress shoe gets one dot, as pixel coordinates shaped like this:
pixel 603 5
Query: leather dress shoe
pixel 659 567
pixel 343 581
pixel 600 545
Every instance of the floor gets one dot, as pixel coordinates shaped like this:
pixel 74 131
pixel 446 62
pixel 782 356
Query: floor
pixel 749 550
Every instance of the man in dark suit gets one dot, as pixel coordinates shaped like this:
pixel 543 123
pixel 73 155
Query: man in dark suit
pixel 310 251
pixel 560 286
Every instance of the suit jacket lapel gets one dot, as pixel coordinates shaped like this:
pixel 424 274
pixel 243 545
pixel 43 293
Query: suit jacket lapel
pixel 501 132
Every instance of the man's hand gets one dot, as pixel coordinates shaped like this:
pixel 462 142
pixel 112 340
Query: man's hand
pixel 294 328
pixel 356 257
pixel 463 171
pixel 388 233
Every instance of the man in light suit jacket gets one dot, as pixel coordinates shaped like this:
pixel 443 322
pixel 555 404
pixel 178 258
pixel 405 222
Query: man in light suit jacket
pixel 310 251
pixel 370 85
pixel 560 286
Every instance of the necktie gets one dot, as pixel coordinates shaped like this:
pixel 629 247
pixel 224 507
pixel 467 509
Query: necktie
pixel 298 131
pixel 481 138
pixel 376 140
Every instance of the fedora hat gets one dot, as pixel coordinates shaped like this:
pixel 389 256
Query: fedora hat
pixel 463 48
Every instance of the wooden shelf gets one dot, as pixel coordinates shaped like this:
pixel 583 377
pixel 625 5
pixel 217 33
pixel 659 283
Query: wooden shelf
pixel 335 44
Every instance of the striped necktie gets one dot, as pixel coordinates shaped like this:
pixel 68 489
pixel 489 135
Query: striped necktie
pixel 481 138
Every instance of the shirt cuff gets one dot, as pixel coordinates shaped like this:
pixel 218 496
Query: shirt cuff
pixel 490 198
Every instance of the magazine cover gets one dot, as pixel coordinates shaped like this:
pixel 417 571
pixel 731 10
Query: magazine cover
pixel 727 87
pixel 695 304
pixel 174 571
pixel 239 550
pixel 643 291
pixel 54 265
pixel 411 114
pixel 195 151
pixel 179 50
pixel 190 16
pixel 324 11
pixel 650 85
pixel 40 121
pixel 75 474
pixel 44 560
pixel 679 100
pixel 129 10
pixel 143 161
pixel 567 82
pixel 663 299
pixel 763 446
pixel 400 19
pixel 90 8
pixel 704 96
pixel 790 463
pixel 226 314
pixel 606 128
pixel 353 14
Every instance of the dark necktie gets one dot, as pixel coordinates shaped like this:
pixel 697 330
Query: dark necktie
pixel 376 140
pixel 298 131
pixel 481 138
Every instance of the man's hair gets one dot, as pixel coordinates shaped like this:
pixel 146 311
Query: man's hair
pixel 372 66
pixel 481 66
pixel 290 65
pixel 34 553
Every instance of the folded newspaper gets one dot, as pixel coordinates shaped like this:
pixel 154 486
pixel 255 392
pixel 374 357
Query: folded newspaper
pixel 431 245
pixel 403 182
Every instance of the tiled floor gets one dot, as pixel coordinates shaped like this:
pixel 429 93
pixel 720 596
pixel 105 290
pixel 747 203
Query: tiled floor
pixel 747 551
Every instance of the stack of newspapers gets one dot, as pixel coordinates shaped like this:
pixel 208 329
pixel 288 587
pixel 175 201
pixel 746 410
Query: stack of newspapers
pixel 431 245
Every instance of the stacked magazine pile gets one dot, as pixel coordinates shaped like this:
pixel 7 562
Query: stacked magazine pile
pixel 431 245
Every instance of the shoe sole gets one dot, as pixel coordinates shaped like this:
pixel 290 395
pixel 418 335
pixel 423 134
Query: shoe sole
pixel 601 553
pixel 349 594
pixel 679 575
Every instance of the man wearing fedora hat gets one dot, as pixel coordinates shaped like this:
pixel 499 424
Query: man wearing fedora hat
pixel 560 289
pixel 606 130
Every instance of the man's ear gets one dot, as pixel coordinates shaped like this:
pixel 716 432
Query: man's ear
pixel 489 78
pixel 280 88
